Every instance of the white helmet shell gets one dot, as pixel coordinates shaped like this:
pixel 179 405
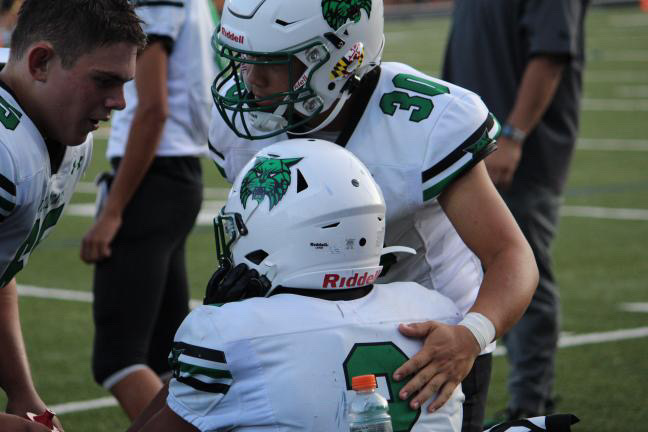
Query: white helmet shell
pixel 314 217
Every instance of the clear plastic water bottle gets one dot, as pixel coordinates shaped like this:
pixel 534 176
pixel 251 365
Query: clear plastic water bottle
pixel 368 411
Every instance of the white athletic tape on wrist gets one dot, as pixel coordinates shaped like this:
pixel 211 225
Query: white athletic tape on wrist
pixel 481 327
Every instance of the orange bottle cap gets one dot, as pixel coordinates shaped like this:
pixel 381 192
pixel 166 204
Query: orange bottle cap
pixel 363 382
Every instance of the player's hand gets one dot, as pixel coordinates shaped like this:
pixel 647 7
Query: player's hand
pixel 502 164
pixel 229 284
pixel 95 245
pixel 20 406
pixel 14 423
pixel 447 355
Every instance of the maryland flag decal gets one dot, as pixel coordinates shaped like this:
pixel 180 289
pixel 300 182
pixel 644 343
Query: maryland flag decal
pixel 349 63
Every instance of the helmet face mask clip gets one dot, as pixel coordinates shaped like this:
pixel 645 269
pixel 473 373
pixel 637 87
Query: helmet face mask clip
pixel 228 228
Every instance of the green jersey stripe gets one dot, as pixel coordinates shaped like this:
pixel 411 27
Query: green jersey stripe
pixel 460 151
pixel 435 190
pixel 199 370
pixel 7 185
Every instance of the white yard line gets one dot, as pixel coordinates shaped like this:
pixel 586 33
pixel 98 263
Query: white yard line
pixel 208 193
pixel 571 340
pixel 632 91
pixel 615 76
pixel 54 293
pixel 603 144
pixel 70 295
pixel 610 55
pixel 634 307
pixel 605 213
pixel 618 105
pixel 91 404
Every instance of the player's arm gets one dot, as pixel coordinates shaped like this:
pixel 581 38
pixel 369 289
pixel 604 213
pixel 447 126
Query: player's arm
pixel 485 224
pixel 488 228
pixel 165 420
pixel 158 402
pixel 143 139
pixel 537 89
pixel 510 275
pixel 159 417
pixel 15 376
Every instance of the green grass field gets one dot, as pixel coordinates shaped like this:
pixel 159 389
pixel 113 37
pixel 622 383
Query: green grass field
pixel 601 262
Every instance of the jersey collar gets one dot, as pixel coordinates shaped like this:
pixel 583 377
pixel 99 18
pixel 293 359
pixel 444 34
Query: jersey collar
pixel 359 103
pixel 333 295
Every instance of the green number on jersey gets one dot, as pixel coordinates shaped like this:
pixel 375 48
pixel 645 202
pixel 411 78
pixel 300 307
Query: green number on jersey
pixel 422 106
pixel 35 236
pixel 9 116
pixel 382 359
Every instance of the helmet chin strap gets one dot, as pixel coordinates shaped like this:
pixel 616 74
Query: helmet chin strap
pixel 336 110
pixel 269 122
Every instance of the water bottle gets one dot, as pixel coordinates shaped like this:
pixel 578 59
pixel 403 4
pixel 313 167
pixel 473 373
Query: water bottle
pixel 368 411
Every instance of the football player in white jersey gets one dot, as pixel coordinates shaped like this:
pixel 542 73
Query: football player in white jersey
pixel 307 215
pixel 65 73
pixel 313 68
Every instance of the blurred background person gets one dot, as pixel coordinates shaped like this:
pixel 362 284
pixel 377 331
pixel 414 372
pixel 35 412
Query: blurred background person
pixel 8 17
pixel 138 239
pixel 525 58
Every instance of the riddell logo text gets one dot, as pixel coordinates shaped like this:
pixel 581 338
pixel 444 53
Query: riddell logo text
pixel 332 280
pixel 232 36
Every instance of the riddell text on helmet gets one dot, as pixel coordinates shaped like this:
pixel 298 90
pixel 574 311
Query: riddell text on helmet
pixel 332 280
pixel 232 36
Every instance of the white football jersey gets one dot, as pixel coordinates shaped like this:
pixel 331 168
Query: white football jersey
pixel 191 69
pixel 416 135
pixel 285 363
pixel 31 198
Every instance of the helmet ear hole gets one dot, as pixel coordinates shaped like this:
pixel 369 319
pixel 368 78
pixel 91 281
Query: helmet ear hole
pixel 256 256
pixel 333 225
pixel 301 182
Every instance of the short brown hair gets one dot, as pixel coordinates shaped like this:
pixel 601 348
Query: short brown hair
pixel 75 27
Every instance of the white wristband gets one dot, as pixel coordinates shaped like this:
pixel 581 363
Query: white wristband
pixel 481 327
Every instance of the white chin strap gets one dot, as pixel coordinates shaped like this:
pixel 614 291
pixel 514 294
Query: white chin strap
pixel 270 122
pixel 392 249
pixel 336 110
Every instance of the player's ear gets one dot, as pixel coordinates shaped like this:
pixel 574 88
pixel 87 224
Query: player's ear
pixel 39 60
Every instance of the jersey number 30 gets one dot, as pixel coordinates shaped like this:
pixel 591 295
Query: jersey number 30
pixel 382 359
pixel 421 106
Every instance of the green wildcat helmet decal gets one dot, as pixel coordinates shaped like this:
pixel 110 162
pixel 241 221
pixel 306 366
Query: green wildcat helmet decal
pixel 267 177
pixel 338 12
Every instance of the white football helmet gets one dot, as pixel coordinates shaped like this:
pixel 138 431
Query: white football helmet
pixel 336 41
pixel 305 213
